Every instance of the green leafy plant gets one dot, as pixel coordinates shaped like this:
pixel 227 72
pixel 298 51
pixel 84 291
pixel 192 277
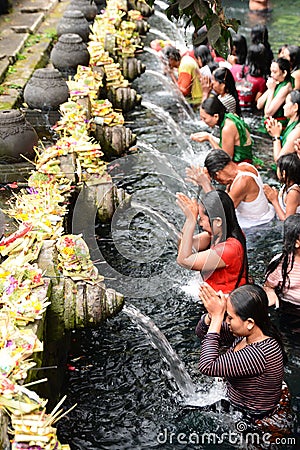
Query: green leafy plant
pixel 205 12
pixel 11 69
pixel 51 34
pixel 20 57
pixel 33 39
pixel 14 86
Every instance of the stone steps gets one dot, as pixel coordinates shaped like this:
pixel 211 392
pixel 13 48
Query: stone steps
pixel 26 39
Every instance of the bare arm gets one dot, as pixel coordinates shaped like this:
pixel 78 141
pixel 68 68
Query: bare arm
pixel 288 147
pixel 274 103
pixel 203 136
pixel 262 100
pixel 243 189
pixel 229 135
pixel 272 296
pixel 205 260
pixel 292 201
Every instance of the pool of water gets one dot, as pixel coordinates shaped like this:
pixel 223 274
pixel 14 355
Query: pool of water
pixel 282 22
pixel 128 393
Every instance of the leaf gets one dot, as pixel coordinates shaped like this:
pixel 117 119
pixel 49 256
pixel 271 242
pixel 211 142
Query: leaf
pixel 201 9
pixel 214 19
pixel 214 33
pixel 199 39
pixel 222 46
pixel 183 4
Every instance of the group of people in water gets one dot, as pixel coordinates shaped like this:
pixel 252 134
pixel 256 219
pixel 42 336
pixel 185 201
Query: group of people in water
pixel 237 310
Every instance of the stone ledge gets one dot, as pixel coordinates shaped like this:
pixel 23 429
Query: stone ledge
pixel 28 24
pixel 38 6
pixel 36 56
pixel 12 44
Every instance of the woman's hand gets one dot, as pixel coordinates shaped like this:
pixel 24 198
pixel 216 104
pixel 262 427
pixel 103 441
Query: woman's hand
pixel 197 175
pixel 273 126
pixel 206 86
pixel 188 205
pixel 201 136
pixel 271 193
pixel 271 83
pixel 214 303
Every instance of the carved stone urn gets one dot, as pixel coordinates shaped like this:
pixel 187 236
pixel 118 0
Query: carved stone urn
pixel 87 7
pixel 68 53
pixel 73 21
pixel 17 137
pixel 46 90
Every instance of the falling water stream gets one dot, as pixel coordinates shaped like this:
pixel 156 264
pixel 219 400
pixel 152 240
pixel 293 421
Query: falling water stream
pixel 136 378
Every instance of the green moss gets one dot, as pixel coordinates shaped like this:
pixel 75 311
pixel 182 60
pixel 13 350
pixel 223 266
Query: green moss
pixel 11 69
pixel 20 56
pixel 32 40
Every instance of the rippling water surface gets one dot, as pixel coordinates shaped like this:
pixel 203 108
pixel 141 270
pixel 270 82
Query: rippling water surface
pixel 119 374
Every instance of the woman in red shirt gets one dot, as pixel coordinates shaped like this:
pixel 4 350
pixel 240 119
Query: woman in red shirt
pixel 219 251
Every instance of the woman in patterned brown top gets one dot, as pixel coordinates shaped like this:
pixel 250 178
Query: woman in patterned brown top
pixel 253 366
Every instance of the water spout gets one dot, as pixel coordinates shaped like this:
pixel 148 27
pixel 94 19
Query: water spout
pixel 192 394
pixel 161 4
pixel 160 342
pixel 165 224
pixel 160 34
pixel 182 142
pixel 173 88
pixel 169 176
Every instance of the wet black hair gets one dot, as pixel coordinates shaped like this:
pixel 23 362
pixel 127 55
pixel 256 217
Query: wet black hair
pixel 217 203
pixel 290 165
pixel 295 98
pixel 203 52
pixel 291 233
pixel 257 60
pixel 259 34
pixel 294 52
pixel 250 301
pixel 284 65
pixel 224 75
pixel 172 52
pixel 240 43
pixel 216 160
pixel 212 105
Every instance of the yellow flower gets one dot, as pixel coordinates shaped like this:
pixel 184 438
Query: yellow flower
pixel 4 274
pixel 68 251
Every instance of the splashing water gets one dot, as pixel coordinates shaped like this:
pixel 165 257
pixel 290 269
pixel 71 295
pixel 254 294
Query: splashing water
pixel 180 40
pixel 160 34
pixel 174 90
pixel 182 142
pixel 191 393
pixel 164 167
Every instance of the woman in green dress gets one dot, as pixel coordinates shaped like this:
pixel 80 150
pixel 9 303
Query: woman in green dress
pixel 284 142
pixel 235 136
pixel 279 85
